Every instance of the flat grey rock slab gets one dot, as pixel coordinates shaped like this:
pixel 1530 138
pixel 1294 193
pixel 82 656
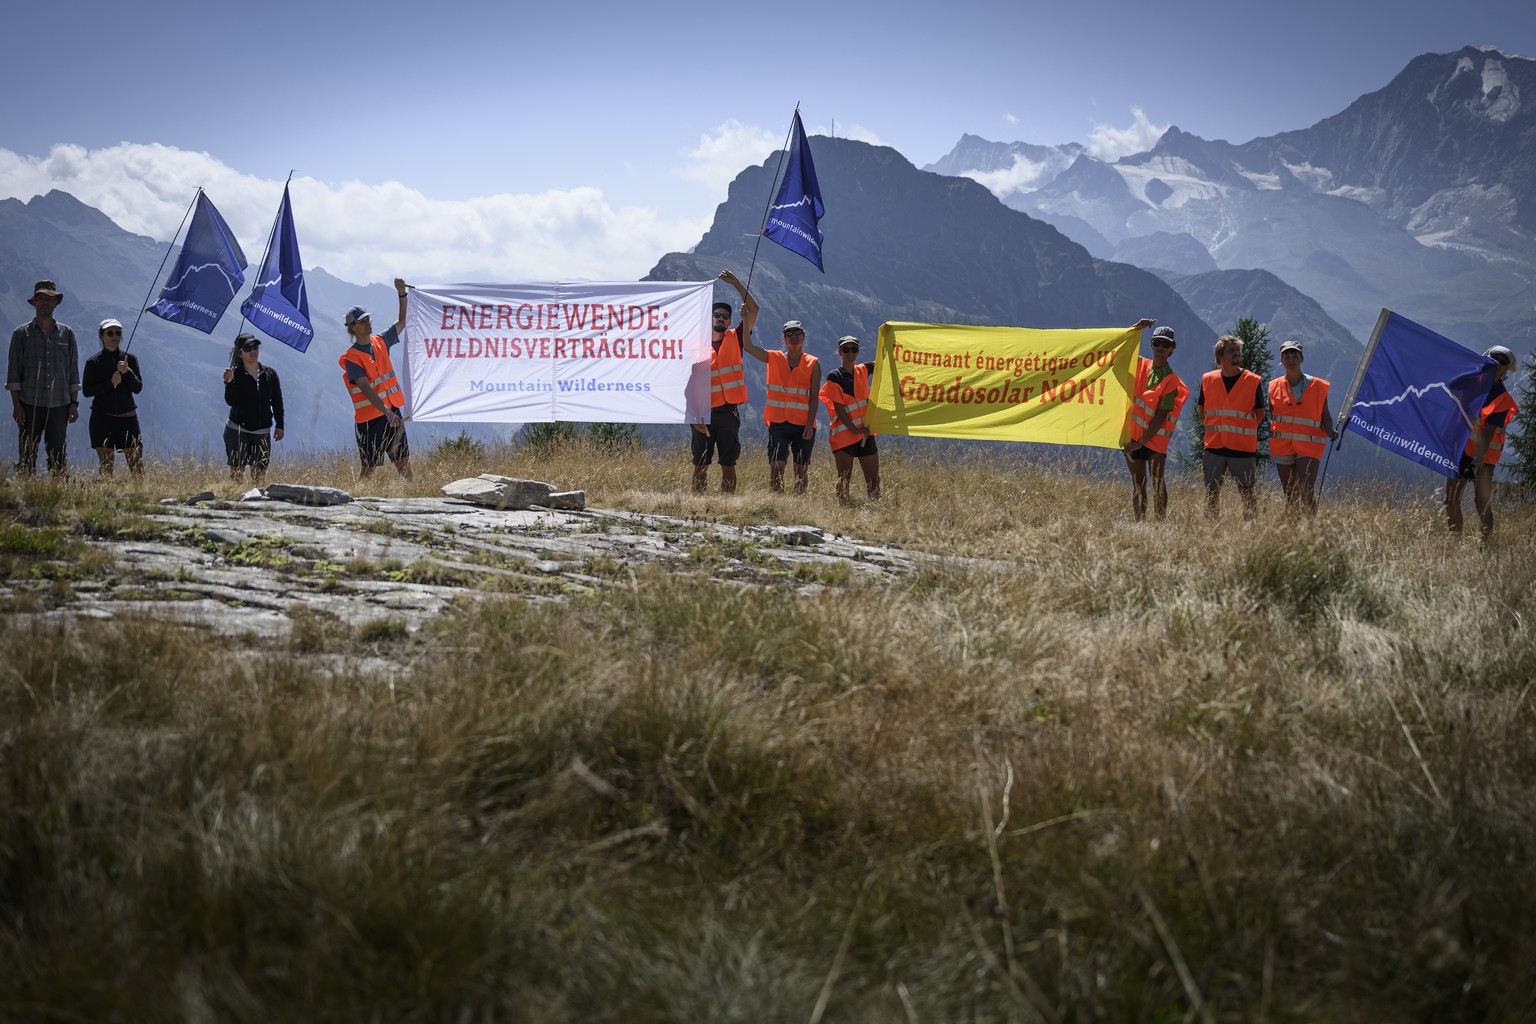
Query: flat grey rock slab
pixel 254 568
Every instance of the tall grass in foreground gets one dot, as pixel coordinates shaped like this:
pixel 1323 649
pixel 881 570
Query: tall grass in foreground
pixel 1084 770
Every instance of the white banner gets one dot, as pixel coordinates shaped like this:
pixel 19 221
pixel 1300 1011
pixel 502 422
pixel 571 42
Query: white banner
pixel 584 352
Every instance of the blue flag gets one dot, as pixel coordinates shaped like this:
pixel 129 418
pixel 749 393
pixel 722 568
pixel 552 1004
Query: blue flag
pixel 208 273
pixel 796 209
pixel 278 305
pixel 1417 393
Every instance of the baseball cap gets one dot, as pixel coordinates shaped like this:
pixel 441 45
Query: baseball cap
pixel 847 341
pixel 1165 332
pixel 1290 346
pixel 355 314
pixel 109 322
pixel 791 326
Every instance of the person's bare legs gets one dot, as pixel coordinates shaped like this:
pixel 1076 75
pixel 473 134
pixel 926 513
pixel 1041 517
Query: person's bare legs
pixel 1482 497
pixel 870 465
pixel 1306 473
pixel 1453 489
pixel 1138 488
pixel 1155 465
pixel 844 462
pixel 1289 483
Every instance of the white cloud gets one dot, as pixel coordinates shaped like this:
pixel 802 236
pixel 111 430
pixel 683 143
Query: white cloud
pixel 1022 175
pixel 721 154
pixel 365 233
pixel 1108 143
pixel 1010 120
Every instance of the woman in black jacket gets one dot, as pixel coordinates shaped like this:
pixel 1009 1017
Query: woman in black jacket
pixel 255 400
pixel 110 380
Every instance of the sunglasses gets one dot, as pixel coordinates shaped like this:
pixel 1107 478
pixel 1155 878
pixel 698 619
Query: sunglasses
pixel 250 348
pixel 1162 344
pixel 112 334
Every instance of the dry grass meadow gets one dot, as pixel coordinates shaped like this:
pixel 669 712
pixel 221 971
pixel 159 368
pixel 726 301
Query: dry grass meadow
pixel 1090 770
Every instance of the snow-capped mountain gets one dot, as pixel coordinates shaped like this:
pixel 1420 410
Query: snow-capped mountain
pixel 1417 197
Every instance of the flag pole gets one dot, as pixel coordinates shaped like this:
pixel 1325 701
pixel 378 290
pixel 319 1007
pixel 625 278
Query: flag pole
pixel 145 304
pixel 1354 389
pixel 271 235
pixel 773 188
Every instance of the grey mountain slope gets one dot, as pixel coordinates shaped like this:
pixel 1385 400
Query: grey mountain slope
pixel 1164 250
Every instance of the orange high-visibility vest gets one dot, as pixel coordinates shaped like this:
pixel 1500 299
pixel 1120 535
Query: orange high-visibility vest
pixel 1504 403
pixel 854 405
pixel 381 374
pixel 1144 405
pixel 1229 418
pixel 1296 426
pixel 789 391
pixel 727 377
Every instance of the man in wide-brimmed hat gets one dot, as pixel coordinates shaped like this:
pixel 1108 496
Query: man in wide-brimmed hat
pixel 43 376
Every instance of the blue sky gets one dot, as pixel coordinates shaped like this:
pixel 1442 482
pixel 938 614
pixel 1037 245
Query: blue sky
pixel 467 140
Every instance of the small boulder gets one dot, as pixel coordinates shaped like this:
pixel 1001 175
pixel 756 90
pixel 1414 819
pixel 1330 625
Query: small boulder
pixel 500 492
pixel 301 494
pixel 567 501
pixel 797 536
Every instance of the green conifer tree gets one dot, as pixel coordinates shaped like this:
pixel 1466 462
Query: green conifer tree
pixel 1522 435
pixel 1256 357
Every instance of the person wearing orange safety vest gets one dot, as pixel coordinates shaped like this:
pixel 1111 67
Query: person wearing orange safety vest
pixel 1300 427
pixel 846 396
pixel 1484 447
pixel 1156 399
pixel 1232 402
pixel 727 391
pixel 789 408
pixel 377 400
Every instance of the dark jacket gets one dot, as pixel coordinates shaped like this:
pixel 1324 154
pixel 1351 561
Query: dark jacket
pixel 96 382
pixel 255 404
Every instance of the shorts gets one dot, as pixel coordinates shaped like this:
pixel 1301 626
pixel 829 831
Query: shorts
pixel 376 439
pixel 1469 470
pixel 120 433
pixel 247 447
pixel 1145 454
pixel 1244 469
pixel 724 437
pixel 863 449
pixel 785 439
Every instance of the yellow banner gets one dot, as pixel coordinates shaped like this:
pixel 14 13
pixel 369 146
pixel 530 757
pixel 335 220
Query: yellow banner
pixel 1004 383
